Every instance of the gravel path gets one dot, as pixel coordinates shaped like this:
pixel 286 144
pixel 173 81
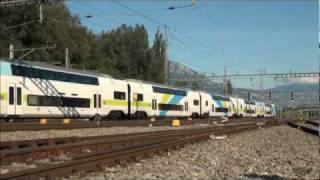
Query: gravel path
pixel 273 153
pixel 26 135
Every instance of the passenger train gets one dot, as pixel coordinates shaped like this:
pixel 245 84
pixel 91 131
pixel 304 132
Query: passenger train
pixel 33 90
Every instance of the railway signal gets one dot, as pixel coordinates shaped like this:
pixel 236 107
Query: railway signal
pixel 292 96
pixel 270 96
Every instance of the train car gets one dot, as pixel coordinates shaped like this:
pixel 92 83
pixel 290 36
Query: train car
pixel 37 91
pixel 169 102
pixel 140 100
pixel 32 90
pixel 114 99
pixel 205 102
pixel 250 109
pixel 193 104
pixel 273 110
pixel 238 107
pixel 158 100
pixel 220 106
pixel 270 110
pixel 260 109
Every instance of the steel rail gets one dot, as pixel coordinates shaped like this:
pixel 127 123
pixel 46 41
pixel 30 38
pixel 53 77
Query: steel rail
pixel 22 151
pixel 9 145
pixel 36 126
pixel 305 128
pixel 106 157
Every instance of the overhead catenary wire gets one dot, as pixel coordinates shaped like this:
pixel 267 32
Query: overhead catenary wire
pixel 213 50
pixel 190 38
pixel 233 37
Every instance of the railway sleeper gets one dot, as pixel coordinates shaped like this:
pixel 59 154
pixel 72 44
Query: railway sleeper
pixel 86 163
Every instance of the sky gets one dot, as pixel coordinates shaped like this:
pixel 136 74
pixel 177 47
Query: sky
pixel 246 36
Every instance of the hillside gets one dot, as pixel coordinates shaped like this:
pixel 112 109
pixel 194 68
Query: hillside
pixel 304 94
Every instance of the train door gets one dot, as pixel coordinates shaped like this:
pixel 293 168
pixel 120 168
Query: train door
pixel 15 99
pixel 200 105
pixel 129 101
pixel 97 102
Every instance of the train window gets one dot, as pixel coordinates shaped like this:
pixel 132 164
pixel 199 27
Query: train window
pixel 154 104
pixel 222 110
pixel 169 91
pixel 207 103
pixel 196 102
pixel 18 96
pixel 119 95
pixel 75 102
pixel 170 107
pixel 221 98
pixel 212 108
pixel 240 106
pixel 52 75
pixel 94 100
pixel 49 101
pixel 11 95
pixel 99 101
pixel 137 97
pixel 186 108
pixel 32 100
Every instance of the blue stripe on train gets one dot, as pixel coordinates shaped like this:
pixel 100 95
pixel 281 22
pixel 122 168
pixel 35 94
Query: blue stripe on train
pixel 174 100
pixel 220 105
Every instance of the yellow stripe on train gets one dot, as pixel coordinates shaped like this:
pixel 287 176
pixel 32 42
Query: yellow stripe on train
pixel 3 96
pixel 110 102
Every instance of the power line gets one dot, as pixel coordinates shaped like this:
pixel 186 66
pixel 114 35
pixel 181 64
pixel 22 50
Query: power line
pixel 228 33
pixel 179 32
pixel 175 31
pixel 272 75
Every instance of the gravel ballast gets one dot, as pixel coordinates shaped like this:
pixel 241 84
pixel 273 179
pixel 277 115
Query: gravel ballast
pixel 272 153
pixel 27 135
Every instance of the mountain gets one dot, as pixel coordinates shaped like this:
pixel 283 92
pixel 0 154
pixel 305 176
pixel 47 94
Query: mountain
pixel 304 94
pixel 178 70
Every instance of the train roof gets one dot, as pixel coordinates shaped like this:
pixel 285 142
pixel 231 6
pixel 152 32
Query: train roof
pixel 157 84
pixel 250 102
pixel 47 66
pixel 219 97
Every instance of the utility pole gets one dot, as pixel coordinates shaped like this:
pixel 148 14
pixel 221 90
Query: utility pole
pixel 165 59
pixel 40 14
pixel 225 84
pixel 319 89
pixel 67 60
pixel 11 51
pixel 262 71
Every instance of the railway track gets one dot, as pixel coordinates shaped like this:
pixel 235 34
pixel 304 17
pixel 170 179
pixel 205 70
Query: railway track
pixel 94 153
pixel 73 124
pixel 309 126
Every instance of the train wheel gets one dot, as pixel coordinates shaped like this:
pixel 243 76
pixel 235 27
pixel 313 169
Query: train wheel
pixel 140 115
pixel 96 117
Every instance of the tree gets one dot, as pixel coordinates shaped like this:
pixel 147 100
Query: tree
pixel 123 52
